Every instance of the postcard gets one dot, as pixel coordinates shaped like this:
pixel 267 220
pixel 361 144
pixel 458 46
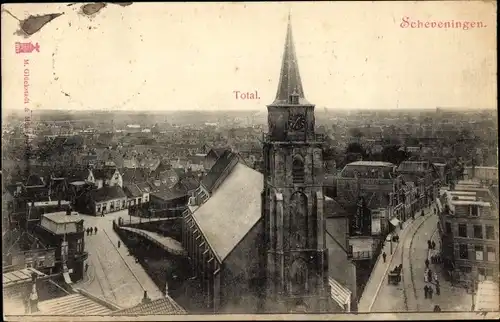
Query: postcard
pixel 250 160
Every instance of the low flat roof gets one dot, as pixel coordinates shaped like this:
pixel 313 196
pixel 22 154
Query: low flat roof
pixel 20 276
pixel 49 203
pixel 470 202
pixel 60 217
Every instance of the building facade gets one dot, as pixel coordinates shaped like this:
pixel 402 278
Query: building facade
pixel 468 227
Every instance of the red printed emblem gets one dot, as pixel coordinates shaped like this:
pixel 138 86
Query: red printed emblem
pixel 26 47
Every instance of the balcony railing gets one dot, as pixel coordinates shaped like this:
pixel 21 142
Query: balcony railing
pixel 360 255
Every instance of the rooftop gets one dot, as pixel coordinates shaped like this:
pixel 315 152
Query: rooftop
pixel 20 276
pixel 61 217
pixel 369 169
pixel 72 304
pixel 108 193
pixel 289 82
pixel 221 219
pixel 163 306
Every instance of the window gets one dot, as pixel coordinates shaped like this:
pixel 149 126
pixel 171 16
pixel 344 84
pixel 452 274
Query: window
pixel 491 253
pixel 79 245
pixel 448 228
pixel 298 170
pixel 463 251
pixel 490 232
pixel 479 252
pixel 462 230
pixel 478 231
pixel 474 211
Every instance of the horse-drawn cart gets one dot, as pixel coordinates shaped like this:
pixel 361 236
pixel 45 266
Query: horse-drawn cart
pixel 394 276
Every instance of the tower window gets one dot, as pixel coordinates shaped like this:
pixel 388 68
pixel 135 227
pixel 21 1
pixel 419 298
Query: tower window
pixel 298 170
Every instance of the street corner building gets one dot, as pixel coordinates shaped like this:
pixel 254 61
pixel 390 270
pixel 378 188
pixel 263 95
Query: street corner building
pixel 257 240
pixel 468 227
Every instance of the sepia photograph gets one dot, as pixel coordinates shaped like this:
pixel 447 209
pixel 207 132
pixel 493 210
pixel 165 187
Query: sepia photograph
pixel 300 160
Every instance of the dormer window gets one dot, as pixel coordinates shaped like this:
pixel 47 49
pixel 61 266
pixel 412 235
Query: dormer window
pixel 298 170
pixel 474 211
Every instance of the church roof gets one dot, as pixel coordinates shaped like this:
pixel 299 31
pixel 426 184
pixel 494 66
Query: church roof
pixel 223 219
pixel 290 81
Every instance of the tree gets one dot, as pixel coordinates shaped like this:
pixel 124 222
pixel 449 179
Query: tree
pixel 355 132
pixel 394 154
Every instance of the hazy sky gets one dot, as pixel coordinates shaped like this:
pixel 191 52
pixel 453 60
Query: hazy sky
pixel 155 56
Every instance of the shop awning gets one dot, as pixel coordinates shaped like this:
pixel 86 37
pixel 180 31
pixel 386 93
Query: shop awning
pixel 340 294
pixel 67 278
pixel 394 221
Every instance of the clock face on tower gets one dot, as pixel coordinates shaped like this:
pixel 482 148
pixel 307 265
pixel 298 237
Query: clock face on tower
pixel 297 122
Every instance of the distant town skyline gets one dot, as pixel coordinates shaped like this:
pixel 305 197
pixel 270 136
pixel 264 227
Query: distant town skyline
pixel 181 56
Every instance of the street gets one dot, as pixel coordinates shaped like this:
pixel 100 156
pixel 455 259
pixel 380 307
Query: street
pixel 392 298
pixel 408 295
pixel 113 274
pixel 451 298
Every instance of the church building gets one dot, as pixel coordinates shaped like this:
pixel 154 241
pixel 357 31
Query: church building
pixel 257 242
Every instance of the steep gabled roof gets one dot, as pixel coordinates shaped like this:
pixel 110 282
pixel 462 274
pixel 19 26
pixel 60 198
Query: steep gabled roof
pixel 108 193
pixel 222 219
pixel 132 190
pixel 218 170
pixel 135 175
pixel 104 173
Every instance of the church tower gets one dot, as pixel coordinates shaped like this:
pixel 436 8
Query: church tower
pixel 296 257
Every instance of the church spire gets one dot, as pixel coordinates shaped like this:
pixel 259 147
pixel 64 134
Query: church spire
pixel 290 84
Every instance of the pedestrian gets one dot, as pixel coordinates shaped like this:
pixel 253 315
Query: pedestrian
pixel 384 256
pixel 430 292
pixel 433 245
pixel 436 278
pixel 438 289
pixel 400 225
pixel 426 291
pixel 426 275
pixel 426 263
pixel 86 267
pixel 429 244
pixel 95 230
pixel 119 243
pixel 87 230
pixel 429 276
pixel 437 308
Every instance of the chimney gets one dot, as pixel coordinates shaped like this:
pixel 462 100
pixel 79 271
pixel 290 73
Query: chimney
pixel 33 299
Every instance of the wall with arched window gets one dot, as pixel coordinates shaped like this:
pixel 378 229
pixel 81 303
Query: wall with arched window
pixel 298 172
pixel 298 221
